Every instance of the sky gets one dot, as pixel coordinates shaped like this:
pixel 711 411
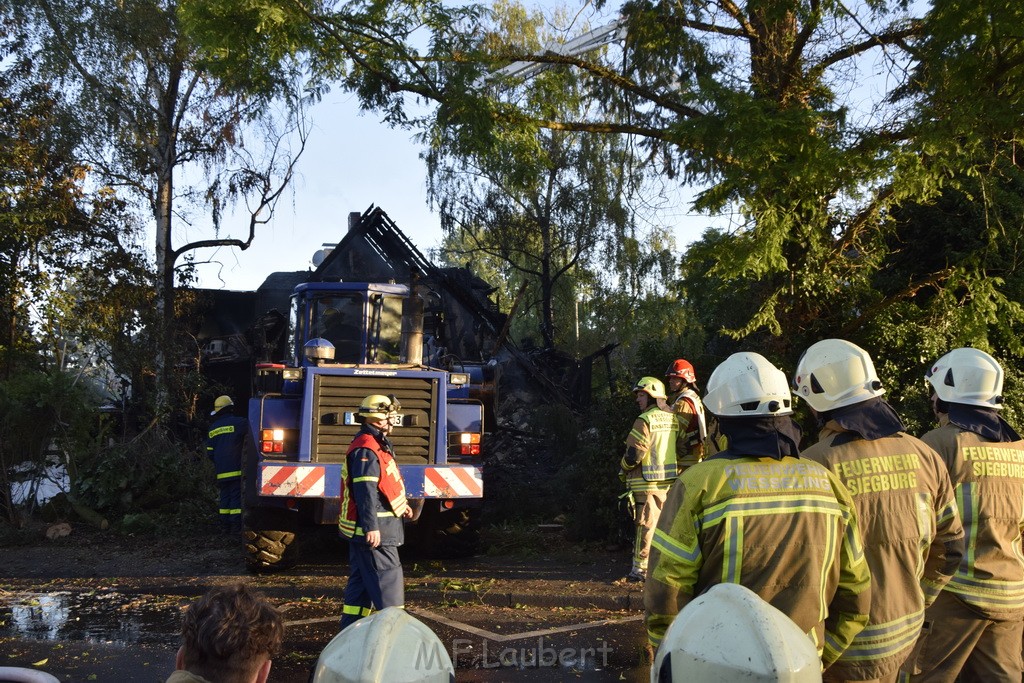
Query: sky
pixel 351 161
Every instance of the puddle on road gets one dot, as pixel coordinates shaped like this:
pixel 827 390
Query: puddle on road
pixel 94 617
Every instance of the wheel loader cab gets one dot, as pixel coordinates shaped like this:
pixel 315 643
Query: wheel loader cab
pixel 363 322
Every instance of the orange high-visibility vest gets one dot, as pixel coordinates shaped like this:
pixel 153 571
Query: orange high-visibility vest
pixel 389 483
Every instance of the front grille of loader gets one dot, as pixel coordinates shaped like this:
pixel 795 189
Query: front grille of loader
pixel 343 394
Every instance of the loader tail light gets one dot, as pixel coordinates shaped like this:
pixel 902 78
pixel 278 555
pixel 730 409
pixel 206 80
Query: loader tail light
pixel 465 443
pixel 272 440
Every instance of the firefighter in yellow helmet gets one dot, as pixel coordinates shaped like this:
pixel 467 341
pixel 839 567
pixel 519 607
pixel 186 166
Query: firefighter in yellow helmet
pixel 224 442
pixel 681 382
pixel 974 628
pixel 373 504
pixel 649 466
pixel 913 538
pixel 759 515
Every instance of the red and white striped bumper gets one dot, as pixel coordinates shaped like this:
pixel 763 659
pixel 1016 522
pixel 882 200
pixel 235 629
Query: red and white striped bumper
pixel 293 480
pixel 453 482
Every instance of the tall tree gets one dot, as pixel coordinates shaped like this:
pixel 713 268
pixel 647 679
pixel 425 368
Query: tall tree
pixel 549 204
pixel 55 223
pixel 152 115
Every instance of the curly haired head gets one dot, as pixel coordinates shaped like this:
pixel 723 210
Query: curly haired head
pixel 229 633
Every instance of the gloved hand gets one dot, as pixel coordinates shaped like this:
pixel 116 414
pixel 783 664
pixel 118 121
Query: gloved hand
pixel 627 501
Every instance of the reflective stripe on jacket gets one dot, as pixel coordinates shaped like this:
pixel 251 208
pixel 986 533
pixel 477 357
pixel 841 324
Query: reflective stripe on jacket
pixel 653 436
pixel 988 477
pixel 224 446
pixel 912 537
pixel 373 493
pixel 693 429
pixel 786 529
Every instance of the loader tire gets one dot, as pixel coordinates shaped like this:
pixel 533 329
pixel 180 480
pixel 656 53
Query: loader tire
pixel 269 543
pixel 448 534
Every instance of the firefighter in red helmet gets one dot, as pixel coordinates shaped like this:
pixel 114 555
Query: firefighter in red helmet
pixel 681 382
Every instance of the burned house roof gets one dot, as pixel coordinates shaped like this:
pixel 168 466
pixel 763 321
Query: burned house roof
pixel 376 250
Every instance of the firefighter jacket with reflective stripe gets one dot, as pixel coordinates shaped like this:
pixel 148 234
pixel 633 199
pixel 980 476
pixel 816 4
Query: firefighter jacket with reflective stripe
pixel 224 446
pixel 653 441
pixel 988 478
pixel 693 429
pixel 784 528
pixel 912 538
pixel 373 493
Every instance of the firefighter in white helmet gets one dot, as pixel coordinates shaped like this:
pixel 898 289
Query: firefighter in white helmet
pixel 974 628
pixel 758 515
pixel 681 382
pixel 390 646
pixel 373 504
pixel 905 505
pixel 730 634
pixel 649 466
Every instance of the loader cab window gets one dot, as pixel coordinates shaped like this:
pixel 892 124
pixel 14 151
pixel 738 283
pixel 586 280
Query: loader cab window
pixel 295 316
pixel 385 329
pixel 339 319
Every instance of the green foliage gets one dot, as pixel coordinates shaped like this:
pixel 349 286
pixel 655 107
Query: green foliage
pixel 591 473
pixel 150 474
pixel 762 106
pixel 54 233
pixel 45 418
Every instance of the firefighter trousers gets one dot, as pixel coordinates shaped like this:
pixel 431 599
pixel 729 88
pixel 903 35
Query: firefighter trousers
pixel 958 644
pixel 646 515
pixel 375 581
pixel 230 504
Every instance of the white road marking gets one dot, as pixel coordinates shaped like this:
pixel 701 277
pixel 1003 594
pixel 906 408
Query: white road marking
pixel 505 637
pixel 483 633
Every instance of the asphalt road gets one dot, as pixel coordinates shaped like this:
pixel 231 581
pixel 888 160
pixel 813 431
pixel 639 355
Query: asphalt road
pixel 126 629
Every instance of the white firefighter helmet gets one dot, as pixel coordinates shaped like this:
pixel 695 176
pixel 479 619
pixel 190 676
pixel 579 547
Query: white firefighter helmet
pixel 652 386
pixel 746 384
pixel 730 634
pixel 834 373
pixel 968 376
pixel 378 407
pixel 389 646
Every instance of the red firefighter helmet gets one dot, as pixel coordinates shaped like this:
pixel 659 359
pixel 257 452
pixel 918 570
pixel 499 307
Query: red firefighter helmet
pixel 682 368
